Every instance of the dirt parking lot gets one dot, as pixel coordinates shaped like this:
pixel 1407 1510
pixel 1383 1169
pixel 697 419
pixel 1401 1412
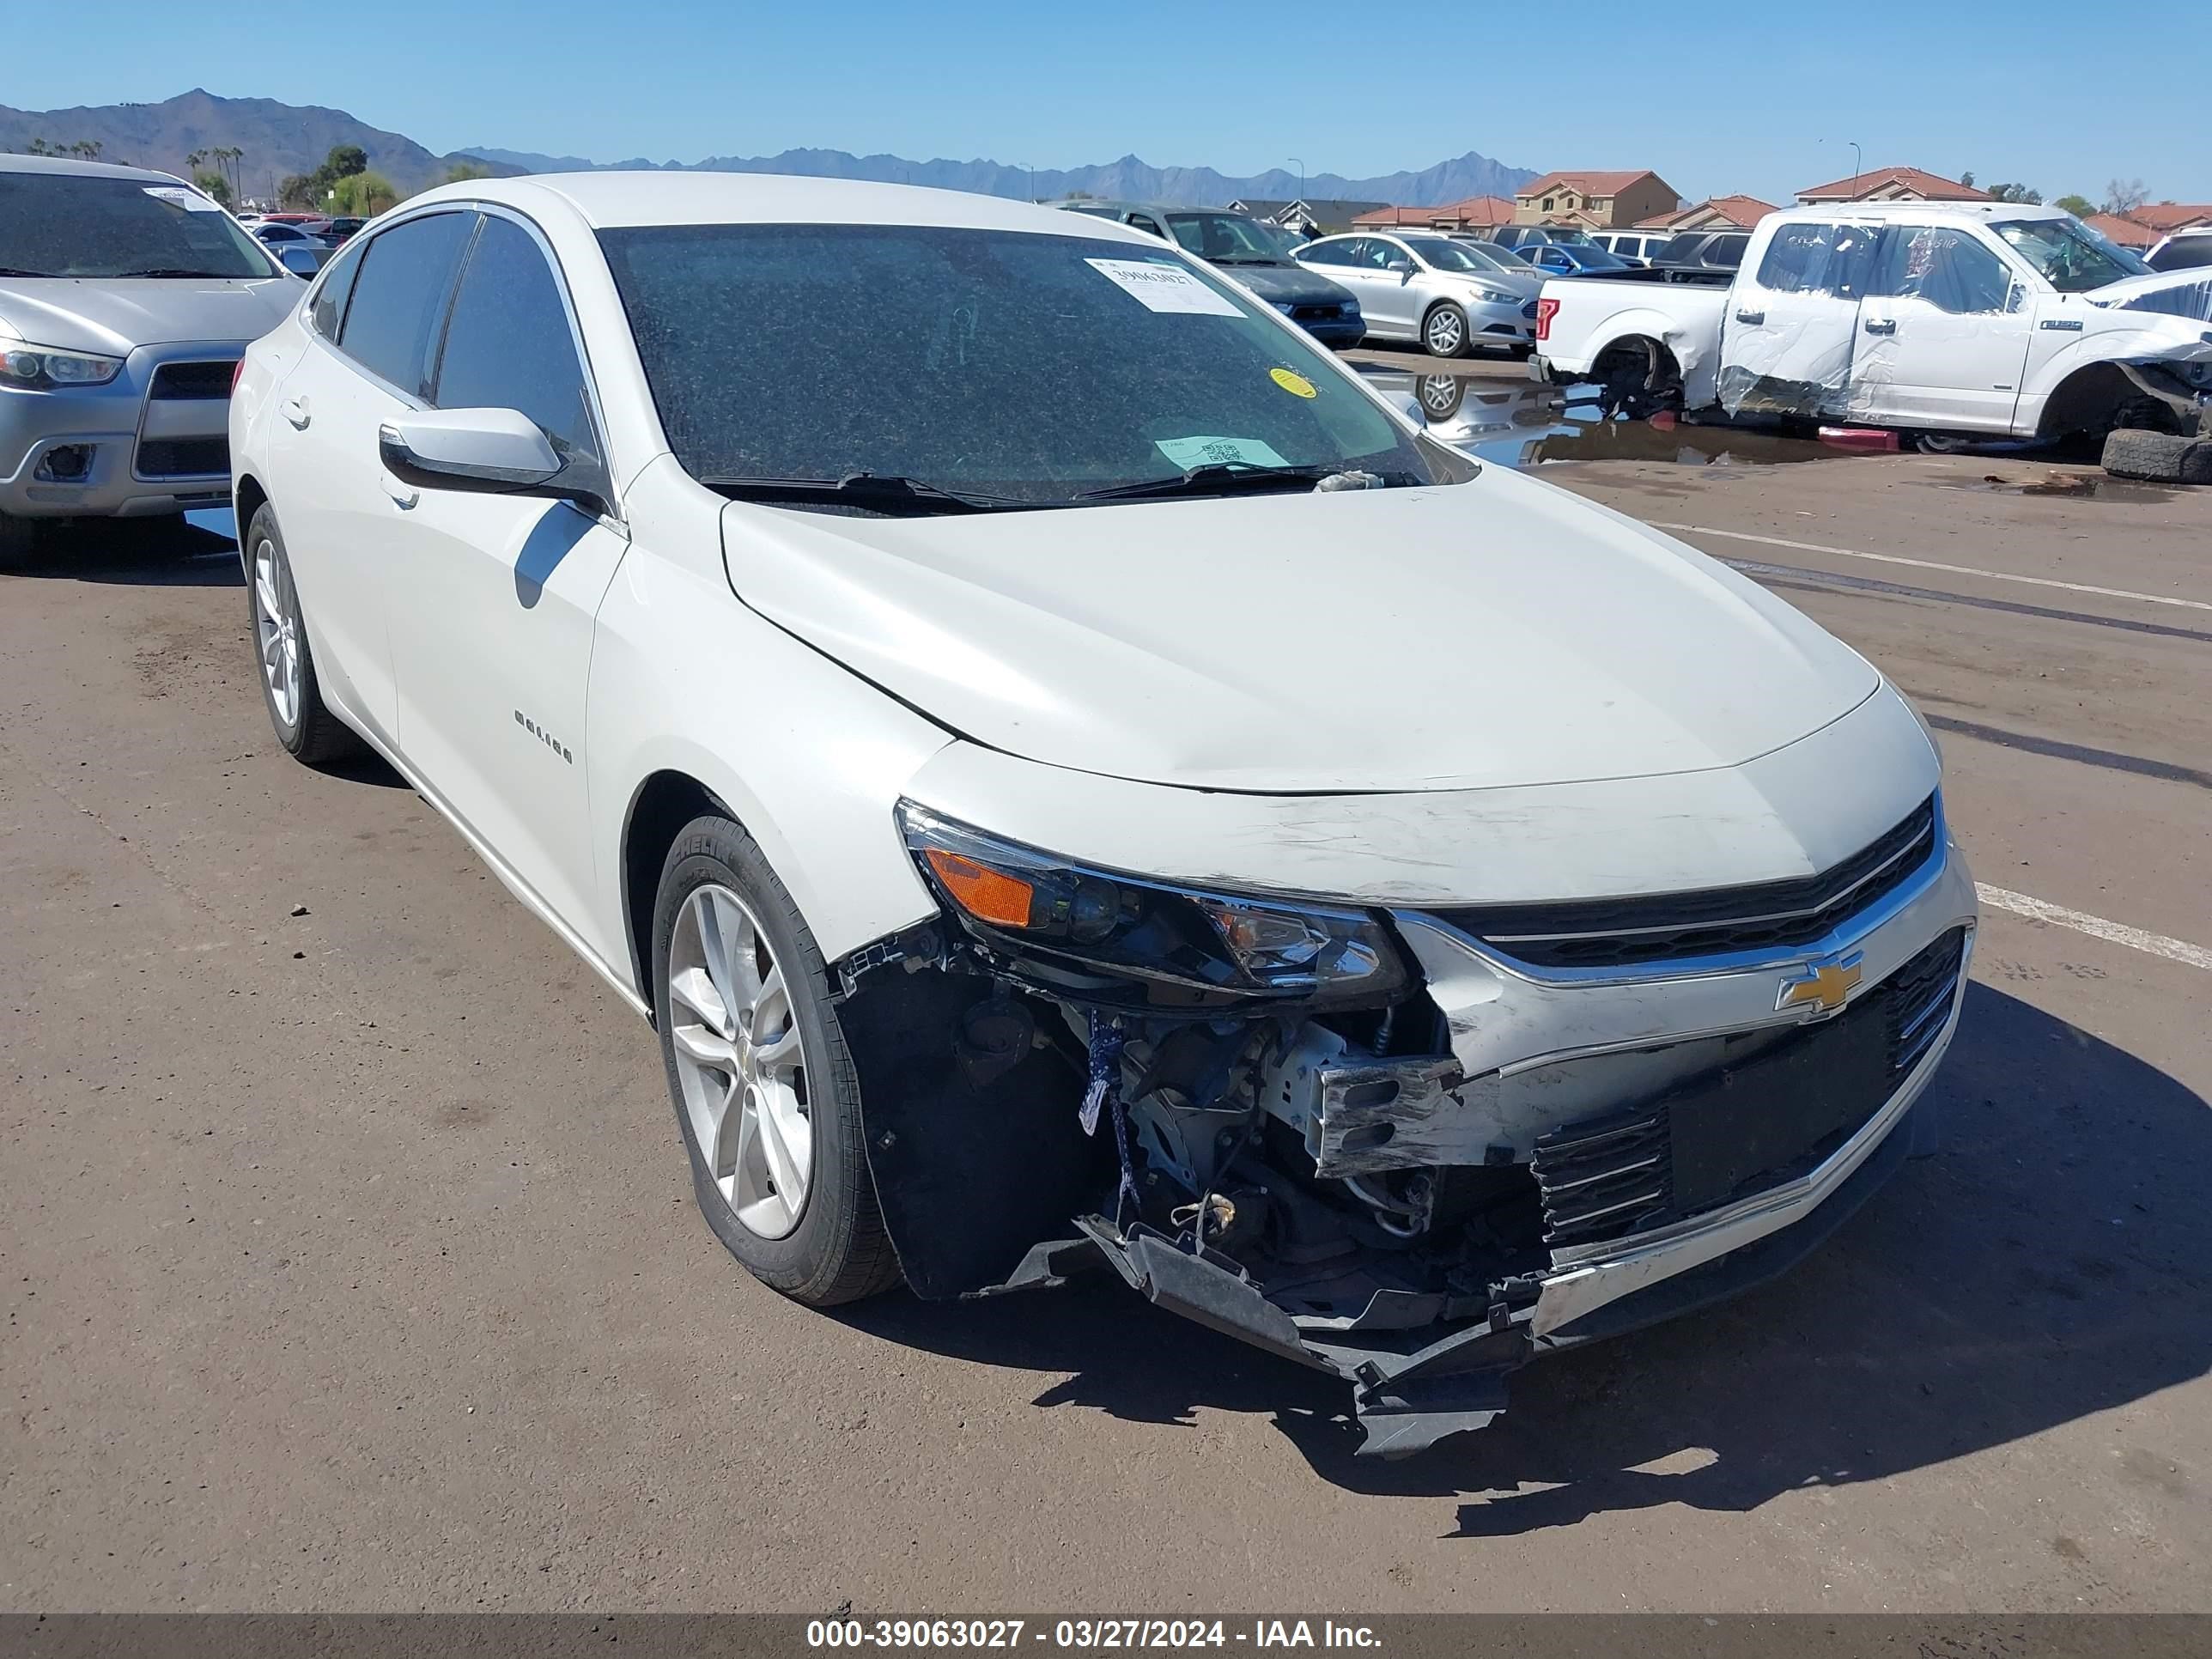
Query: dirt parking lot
pixel 350 1260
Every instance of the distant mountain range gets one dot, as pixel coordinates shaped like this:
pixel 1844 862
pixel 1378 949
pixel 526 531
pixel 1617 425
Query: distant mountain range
pixel 277 138
pixel 1127 180
pixel 286 138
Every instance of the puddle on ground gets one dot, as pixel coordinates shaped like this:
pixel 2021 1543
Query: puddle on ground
pixel 1530 425
pixel 2075 486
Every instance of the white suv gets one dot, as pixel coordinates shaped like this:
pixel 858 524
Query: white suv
pixel 1060 813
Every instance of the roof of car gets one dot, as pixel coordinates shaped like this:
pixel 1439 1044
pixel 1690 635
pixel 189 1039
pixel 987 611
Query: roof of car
pixel 82 169
pixel 612 199
pixel 1926 212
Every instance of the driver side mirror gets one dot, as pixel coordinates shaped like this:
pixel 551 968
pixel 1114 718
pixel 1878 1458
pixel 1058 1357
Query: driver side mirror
pixel 1400 267
pixel 300 260
pixel 494 451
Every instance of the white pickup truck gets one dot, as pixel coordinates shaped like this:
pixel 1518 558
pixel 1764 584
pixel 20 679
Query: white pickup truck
pixel 1986 319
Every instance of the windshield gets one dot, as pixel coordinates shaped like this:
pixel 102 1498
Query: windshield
pixel 1031 369
pixel 1229 239
pixel 1445 254
pixel 1505 258
pixel 1591 257
pixel 2073 258
pixel 60 224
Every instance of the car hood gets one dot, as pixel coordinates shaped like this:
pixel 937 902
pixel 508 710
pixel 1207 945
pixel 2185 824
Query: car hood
pixel 1495 632
pixel 113 315
pixel 1508 280
pixel 1288 284
pixel 2186 294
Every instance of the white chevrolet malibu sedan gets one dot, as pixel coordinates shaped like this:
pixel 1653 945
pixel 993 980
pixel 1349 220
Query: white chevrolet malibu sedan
pixel 1079 784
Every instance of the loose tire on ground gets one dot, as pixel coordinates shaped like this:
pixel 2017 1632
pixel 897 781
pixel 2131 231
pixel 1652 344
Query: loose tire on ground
pixel 836 1248
pixel 310 734
pixel 2158 457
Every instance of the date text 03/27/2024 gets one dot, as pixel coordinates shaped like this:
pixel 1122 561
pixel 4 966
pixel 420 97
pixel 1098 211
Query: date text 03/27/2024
pixel 1087 1635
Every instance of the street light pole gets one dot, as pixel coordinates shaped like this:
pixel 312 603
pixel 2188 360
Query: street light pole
pixel 1858 168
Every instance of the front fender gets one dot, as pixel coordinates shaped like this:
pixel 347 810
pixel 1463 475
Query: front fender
pixel 811 759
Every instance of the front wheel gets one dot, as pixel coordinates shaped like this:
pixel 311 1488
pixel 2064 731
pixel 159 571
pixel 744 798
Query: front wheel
pixel 1444 330
pixel 765 1093
pixel 304 724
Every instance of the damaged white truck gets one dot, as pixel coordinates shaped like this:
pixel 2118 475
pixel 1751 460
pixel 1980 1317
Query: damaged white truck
pixel 1942 320
pixel 1114 797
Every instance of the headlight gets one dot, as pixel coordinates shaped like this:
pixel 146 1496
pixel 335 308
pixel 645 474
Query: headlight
pixel 1350 308
pixel 1284 306
pixel 1045 910
pixel 1491 296
pixel 35 368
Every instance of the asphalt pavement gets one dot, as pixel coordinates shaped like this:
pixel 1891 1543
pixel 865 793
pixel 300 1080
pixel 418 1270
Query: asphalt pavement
pixel 350 1259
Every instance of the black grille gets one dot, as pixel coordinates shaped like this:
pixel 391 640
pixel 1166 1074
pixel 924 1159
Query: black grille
pixel 200 381
pixel 1774 1109
pixel 182 458
pixel 1529 310
pixel 1315 314
pixel 1615 933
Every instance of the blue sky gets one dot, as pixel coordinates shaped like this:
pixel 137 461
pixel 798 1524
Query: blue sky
pixel 1760 98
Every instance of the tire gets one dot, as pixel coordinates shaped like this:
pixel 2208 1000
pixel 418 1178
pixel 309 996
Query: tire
pixel 1445 331
pixel 285 666
pixel 2158 457
pixel 834 1248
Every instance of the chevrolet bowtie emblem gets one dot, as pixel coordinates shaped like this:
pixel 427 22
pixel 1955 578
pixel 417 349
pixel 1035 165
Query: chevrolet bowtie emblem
pixel 1821 987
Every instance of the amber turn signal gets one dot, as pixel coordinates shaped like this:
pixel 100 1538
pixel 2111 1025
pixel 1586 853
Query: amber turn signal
pixel 985 894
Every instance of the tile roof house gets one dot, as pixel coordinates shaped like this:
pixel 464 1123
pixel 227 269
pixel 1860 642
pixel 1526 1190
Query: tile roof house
pixel 1718 212
pixel 1475 213
pixel 1891 185
pixel 2167 217
pixel 2126 232
pixel 1596 201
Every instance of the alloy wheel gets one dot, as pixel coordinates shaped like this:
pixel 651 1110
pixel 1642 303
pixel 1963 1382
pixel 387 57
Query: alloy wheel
pixel 1444 331
pixel 276 628
pixel 741 1060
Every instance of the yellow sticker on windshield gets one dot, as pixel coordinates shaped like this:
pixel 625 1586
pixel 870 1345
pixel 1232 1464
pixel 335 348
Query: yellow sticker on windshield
pixel 1296 384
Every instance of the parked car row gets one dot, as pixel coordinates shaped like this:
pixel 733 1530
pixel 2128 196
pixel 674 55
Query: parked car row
pixel 1947 321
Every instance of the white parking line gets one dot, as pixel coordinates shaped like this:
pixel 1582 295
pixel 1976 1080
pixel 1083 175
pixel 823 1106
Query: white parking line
pixel 1930 564
pixel 2119 933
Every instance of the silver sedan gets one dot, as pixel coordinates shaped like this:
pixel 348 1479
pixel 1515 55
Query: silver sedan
pixel 1430 288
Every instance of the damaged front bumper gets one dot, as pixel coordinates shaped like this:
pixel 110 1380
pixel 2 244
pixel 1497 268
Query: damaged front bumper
pixel 1569 1149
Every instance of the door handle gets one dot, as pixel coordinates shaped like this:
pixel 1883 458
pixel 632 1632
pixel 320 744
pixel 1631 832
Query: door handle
pixel 1877 327
pixel 295 410
pixel 403 495
pixel 1754 318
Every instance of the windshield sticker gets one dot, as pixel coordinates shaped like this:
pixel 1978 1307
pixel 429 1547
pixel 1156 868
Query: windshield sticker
pixel 1188 452
pixel 1159 287
pixel 190 200
pixel 1296 384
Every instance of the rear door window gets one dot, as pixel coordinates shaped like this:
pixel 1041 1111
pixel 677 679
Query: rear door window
pixel 399 295
pixel 331 298
pixel 1817 258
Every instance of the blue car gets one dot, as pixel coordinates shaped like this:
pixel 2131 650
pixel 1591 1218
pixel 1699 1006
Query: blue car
pixel 1575 260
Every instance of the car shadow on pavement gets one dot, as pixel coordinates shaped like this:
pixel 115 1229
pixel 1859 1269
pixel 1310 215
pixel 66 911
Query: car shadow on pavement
pixel 2049 1263
pixel 133 552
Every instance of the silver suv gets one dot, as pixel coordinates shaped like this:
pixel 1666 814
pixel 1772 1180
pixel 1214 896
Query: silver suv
pixel 126 299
